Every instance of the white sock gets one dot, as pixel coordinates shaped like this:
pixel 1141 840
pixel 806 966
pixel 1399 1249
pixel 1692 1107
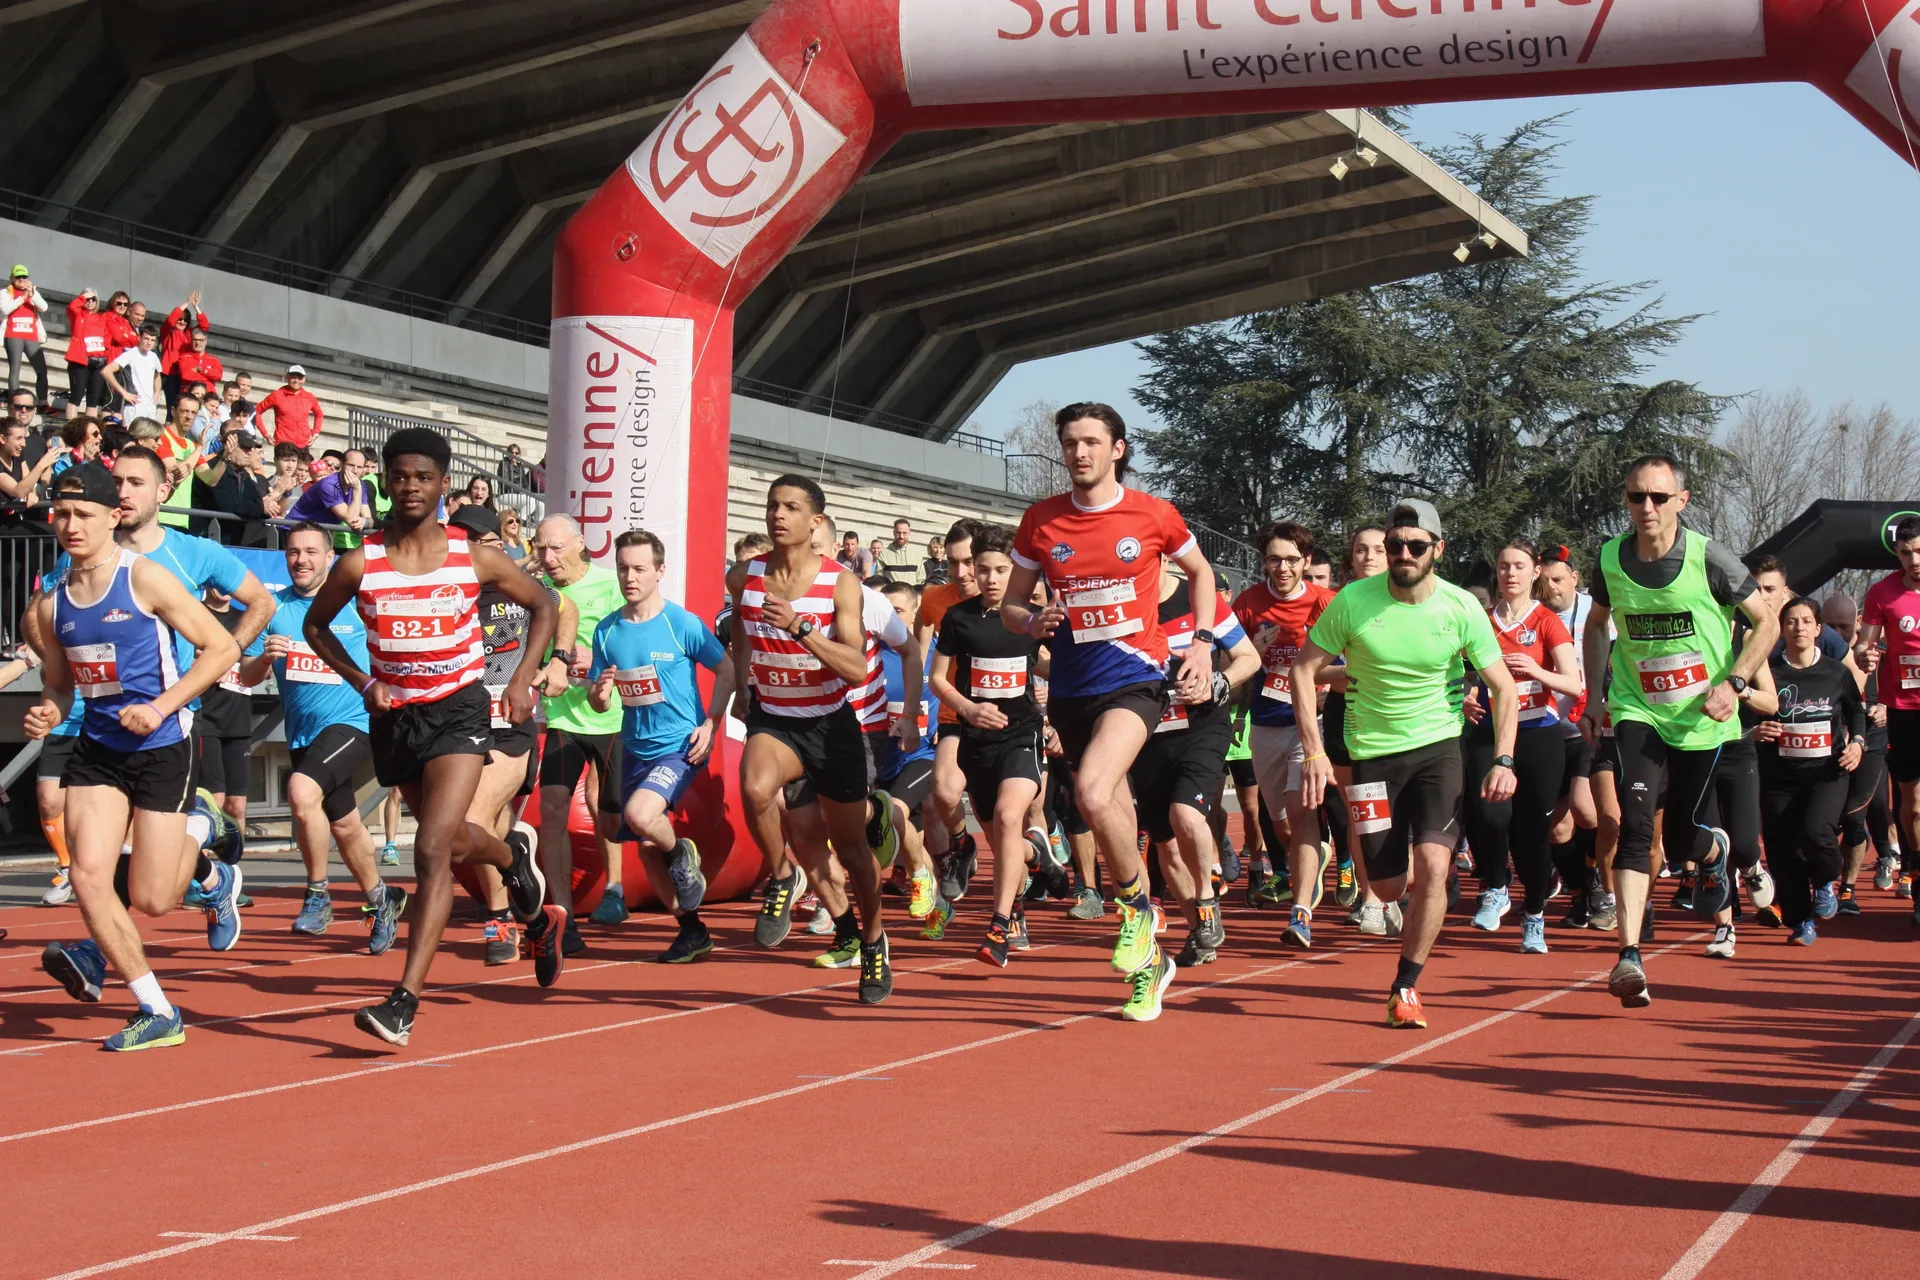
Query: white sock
pixel 146 989
pixel 199 829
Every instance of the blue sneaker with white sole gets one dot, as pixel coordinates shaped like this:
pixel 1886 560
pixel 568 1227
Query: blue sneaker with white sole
pixel 1533 935
pixel 147 1031
pixel 316 912
pixel 1713 890
pixel 222 907
pixel 1494 905
pixel 77 966
pixel 1826 903
pixel 384 920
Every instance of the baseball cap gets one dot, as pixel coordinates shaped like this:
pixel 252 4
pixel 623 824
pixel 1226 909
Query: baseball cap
pixel 88 482
pixel 294 370
pixel 475 520
pixel 1415 513
pixel 19 271
pixel 247 440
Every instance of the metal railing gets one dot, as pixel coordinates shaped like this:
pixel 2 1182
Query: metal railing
pixel 512 478
pixel 842 411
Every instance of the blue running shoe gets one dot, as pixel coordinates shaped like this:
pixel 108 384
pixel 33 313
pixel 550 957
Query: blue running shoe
pixel 77 966
pixel 195 898
pixel 389 854
pixel 689 882
pixel 316 912
pixel 1804 935
pixel 147 1031
pixel 612 907
pixel 223 912
pixel 1713 890
pixel 1533 935
pixel 1826 903
pixel 227 842
pixel 1299 930
pixel 384 920
pixel 1494 905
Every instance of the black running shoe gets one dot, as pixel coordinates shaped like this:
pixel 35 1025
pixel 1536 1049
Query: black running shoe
pixel 993 950
pixel 1580 912
pixel 692 943
pixel 1848 907
pixel 1211 936
pixel 571 943
pixel 526 885
pixel 776 907
pixel 1192 955
pixel 1646 924
pixel 876 971
pixel 1683 894
pixel 546 939
pixel 392 1019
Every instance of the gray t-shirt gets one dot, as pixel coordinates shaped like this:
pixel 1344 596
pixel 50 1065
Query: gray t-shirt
pixel 1726 576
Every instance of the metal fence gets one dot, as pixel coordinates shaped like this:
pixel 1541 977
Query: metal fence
pixel 513 479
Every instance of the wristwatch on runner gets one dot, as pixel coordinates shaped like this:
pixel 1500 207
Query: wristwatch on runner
pixel 802 629
pixel 1203 637
pixel 1503 762
pixel 563 655
pixel 1738 684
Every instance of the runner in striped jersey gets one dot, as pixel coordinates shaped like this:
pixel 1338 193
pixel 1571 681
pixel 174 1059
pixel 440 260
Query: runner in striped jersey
pixel 417 586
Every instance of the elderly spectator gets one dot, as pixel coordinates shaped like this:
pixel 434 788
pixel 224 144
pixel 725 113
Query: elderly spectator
pixel 86 354
pixel 26 332
pixel 134 376
pixel 194 363
pixel 237 477
pixel 183 322
pixel 342 497
pixel 297 417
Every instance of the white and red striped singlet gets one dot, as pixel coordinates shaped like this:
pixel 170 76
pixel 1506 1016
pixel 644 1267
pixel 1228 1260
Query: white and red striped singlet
pixel 787 679
pixel 423 632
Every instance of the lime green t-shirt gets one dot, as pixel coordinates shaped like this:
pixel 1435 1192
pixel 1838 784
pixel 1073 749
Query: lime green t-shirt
pixel 1399 659
pixel 595 594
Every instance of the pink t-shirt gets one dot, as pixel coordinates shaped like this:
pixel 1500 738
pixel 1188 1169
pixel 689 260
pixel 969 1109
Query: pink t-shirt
pixel 1894 607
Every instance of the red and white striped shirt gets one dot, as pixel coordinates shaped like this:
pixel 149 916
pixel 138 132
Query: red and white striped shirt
pixel 423 631
pixel 884 630
pixel 787 679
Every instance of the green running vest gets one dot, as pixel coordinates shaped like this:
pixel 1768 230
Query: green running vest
pixel 1674 644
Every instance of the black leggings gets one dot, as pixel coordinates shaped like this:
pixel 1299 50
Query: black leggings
pixel 1516 833
pixel 1690 801
pixel 1800 810
pixel 1865 816
pixel 1736 794
pixel 86 385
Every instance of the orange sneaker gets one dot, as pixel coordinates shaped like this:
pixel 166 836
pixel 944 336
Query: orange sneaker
pixel 1404 1009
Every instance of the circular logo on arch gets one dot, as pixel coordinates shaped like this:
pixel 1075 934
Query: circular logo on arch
pixel 1887 527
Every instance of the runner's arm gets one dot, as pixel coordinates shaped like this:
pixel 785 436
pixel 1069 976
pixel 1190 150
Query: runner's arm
pixel 848 662
pixel 493 569
pixel 1564 675
pixel 1762 636
pixel 1763 697
pixel 56 678
pixel 738 646
pixel 1597 644
pixel 1015 616
pixel 259 603
pixel 941 682
pixel 1242 666
pixel 1506 705
pixel 335 594
pixel 161 595
pixel 1307 666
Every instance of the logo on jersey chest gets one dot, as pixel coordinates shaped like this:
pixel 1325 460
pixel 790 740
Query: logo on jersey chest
pixel 1128 549
pixel 1659 626
pixel 1527 639
pixel 1061 553
pixel 116 615
pixel 1907 623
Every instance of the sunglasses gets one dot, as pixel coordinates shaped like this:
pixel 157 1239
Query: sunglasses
pixel 1415 547
pixel 1639 497
pixel 119 306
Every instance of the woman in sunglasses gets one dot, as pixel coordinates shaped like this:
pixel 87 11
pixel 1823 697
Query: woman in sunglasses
pixel 86 354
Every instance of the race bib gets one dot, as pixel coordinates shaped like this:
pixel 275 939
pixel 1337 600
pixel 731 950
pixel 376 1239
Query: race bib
pixel 304 666
pixel 1278 685
pixel 417 624
pixel 1910 671
pixel 1174 719
pixel 1806 742
pixel 96 670
pixel 1679 677
pixel 1535 702
pixel 231 681
pixel 1102 613
pixel 1368 807
pixel 96 344
pixel 639 686
pixel 788 671
pixel 998 677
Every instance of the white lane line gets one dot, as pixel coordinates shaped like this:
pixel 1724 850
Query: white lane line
pixel 925 1266
pixel 1715 1237
pixel 202 1235
pixel 585 1144
pixel 961 1239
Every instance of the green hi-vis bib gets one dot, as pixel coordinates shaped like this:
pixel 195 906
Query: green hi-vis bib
pixel 1674 644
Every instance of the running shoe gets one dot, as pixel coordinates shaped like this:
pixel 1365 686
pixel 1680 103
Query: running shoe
pixel 1721 948
pixel 223 913
pixel 502 938
pixel 1038 852
pixel 1404 1009
pixel 947 866
pixel 1579 911
pixel 1767 917
pixel 1149 984
pixel 612 907
pixel 1212 933
pixel 819 921
pixel 383 921
pixel 77 966
pixel 1826 903
pixel 1683 894
pixel 389 854
pixel 1604 915
pixel 1135 948
pixel 1087 904
pixel 967 850
pixel 526 883
pixel 1804 934
pixel 1628 984
pixel 876 971
pixel 1347 888
pixel 776 907
pixel 937 921
pixel 60 892
pixel 1759 886
pixel 1463 860
pixel 689 881
pixel 1317 888
pixel 1272 891
pixel 692 943
pixel 1493 908
pixel 843 954
pixel 1017 931
pixel 1883 871
pixel 1533 935
pixel 546 938
pixel 316 912
pixel 193 897
pixel 1229 862
pixel 147 1031
pixel 895 885
pixel 994 947
pixel 1193 955
pixel 392 1019
pixel 571 943
pixel 1847 906
pixel 1396 919
pixel 1373 919
pixel 1057 845
pixel 227 842
pixel 1299 930
pixel 1713 888
pixel 1903 887
pixel 882 838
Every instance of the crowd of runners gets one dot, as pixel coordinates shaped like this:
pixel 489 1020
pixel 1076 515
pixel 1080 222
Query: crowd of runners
pixel 1077 698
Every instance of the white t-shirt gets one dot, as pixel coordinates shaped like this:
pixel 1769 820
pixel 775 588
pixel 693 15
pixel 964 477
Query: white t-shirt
pixel 140 368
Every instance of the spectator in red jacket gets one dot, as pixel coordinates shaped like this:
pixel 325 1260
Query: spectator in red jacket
pixel 297 418
pixel 176 337
pixel 123 330
pixel 86 354
pixel 25 333
pixel 195 364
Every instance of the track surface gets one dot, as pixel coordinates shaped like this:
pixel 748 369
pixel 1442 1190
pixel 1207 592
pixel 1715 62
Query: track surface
pixel 747 1118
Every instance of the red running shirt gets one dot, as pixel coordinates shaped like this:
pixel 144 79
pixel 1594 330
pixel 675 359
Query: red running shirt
pixel 787 679
pixel 423 630
pixel 1537 635
pixel 1258 608
pixel 1894 607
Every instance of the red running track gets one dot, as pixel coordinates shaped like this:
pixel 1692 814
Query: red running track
pixel 747 1118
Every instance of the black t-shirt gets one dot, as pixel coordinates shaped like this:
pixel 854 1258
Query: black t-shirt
pixel 991 664
pixel 1726 576
pixel 224 713
pixel 15 471
pixel 1821 710
pixel 1176 617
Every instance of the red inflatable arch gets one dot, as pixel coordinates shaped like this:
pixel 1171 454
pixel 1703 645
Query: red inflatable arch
pixel 648 274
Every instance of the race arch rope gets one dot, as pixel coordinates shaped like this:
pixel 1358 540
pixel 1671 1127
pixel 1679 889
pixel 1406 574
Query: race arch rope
pixel 647 275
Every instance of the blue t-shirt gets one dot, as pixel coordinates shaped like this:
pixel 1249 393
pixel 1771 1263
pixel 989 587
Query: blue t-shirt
pixel 312 694
pixel 888 759
pixel 652 664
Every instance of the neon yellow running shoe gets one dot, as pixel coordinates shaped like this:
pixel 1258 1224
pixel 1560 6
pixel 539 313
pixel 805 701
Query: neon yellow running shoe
pixel 843 954
pixel 1136 949
pixel 1149 984
pixel 937 920
pixel 923 892
pixel 882 838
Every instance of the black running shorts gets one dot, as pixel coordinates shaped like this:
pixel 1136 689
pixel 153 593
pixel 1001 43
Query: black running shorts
pixel 1180 767
pixel 1579 762
pixel 911 787
pixel 55 750
pixel 833 753
pixel 1407 798
pixel 224 764
pixel 1903 745
pixel 567 755
pixel 1073 719
pixel 332 760
pixel 987 764
pixel 408 736
pixel 159 780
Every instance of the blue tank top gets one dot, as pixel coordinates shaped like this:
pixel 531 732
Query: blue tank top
pixel 120 656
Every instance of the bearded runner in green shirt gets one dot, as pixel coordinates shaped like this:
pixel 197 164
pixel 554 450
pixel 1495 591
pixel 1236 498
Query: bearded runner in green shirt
pixel 1401 634
pixel 1677 684
pixel 577 735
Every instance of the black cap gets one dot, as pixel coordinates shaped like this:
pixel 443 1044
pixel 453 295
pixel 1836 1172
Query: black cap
pixel 476 520
pixel 87 482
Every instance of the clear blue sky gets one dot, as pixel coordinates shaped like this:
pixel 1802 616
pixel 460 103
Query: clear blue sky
pixel 1766 209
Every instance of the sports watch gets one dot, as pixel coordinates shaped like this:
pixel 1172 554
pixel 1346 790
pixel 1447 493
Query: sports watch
pixel 1203 637
pixel 1738 684
pixel 803 628
pixel 1503 762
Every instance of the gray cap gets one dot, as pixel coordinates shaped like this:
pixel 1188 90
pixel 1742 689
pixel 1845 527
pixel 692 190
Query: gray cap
pixel 1415 513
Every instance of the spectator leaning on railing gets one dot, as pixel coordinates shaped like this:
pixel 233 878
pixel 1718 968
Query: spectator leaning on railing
pixel 342 497
pixel 238 480
pixel 86 354
pixel 297 417
pixel 26 333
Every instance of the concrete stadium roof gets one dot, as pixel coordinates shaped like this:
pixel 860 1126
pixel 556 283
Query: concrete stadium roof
pixel 438 146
